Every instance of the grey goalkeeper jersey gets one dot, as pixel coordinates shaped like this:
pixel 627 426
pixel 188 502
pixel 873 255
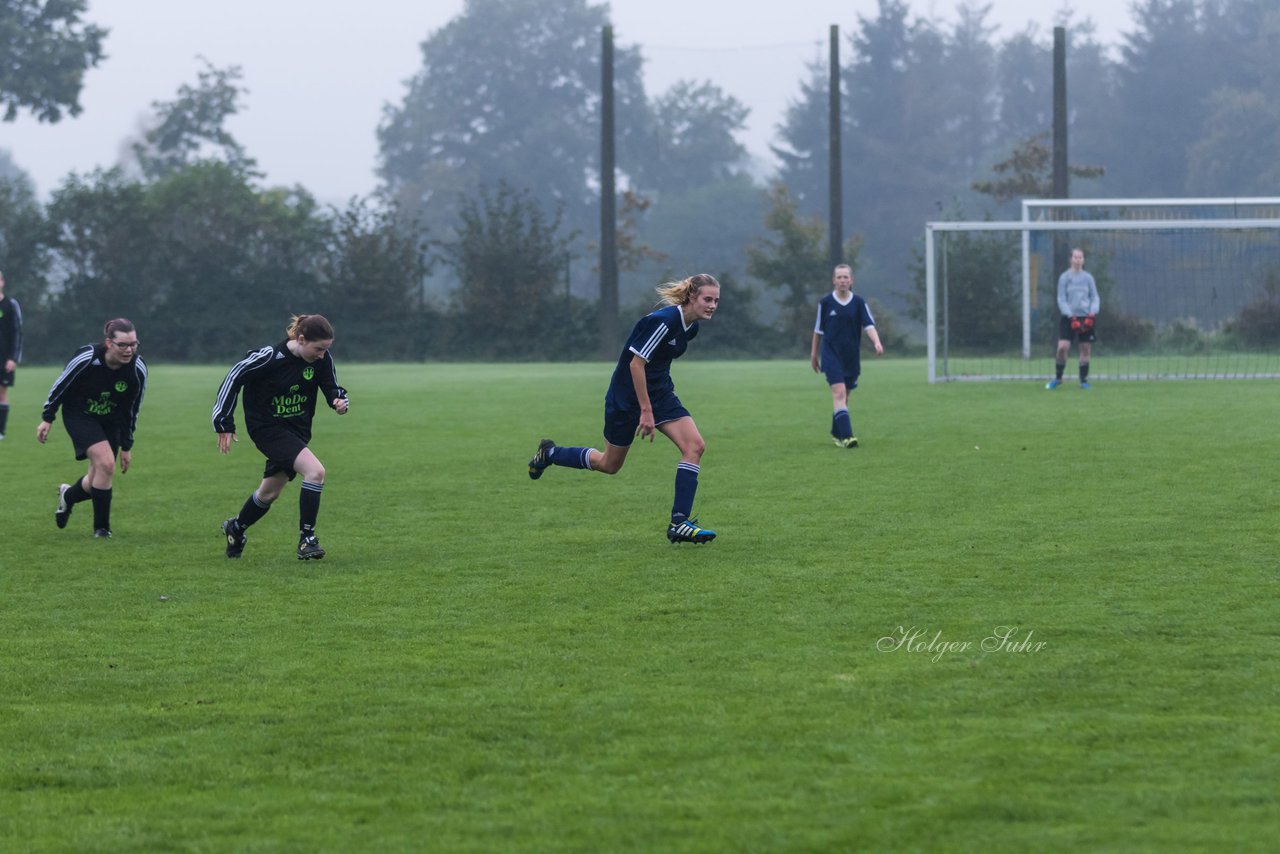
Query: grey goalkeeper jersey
pixel 1077 294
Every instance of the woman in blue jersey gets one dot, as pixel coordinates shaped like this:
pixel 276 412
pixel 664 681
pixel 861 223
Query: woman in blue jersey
pixel 642 400
pixel 842 315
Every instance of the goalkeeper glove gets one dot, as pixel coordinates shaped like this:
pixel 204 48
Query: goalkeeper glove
pixel 1088 322
pixel 1075 324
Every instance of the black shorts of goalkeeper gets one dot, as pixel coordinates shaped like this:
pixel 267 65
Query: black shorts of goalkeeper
pixel 1076 329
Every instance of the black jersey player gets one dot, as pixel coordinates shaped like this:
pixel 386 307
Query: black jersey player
pixel 281 384
pixel 100 392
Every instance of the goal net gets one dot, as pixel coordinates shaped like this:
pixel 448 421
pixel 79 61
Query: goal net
pixel 1189 289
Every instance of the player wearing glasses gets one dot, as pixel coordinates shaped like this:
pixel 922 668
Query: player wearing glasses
pixel 100 391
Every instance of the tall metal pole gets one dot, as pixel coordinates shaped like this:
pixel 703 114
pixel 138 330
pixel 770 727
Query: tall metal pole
pixel 608 205
pixel 835 181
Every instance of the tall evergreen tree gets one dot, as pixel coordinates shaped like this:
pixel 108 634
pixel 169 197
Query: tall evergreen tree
pixel 508 91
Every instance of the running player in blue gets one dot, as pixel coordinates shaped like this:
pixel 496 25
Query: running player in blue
pixel 642 400
pixel 842 315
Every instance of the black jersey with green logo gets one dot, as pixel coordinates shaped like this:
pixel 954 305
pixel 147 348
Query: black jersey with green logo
pixel 280 390
pixel 10 331
pixel 89 388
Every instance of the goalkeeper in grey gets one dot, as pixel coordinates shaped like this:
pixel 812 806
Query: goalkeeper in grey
pixel 1078 305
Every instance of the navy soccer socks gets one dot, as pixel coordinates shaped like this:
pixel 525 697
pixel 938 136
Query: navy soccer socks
pixel 574 458
pixel 686 488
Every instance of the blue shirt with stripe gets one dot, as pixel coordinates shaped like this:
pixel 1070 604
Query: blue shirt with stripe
pixel 840 326
pixel 658 338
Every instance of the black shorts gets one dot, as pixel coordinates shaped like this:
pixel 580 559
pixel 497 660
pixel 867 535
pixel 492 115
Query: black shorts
pixel 1066 333
pixel 86 431
pixel 6 377
pixel 281 448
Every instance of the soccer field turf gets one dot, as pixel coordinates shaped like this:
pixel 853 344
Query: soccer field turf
pixel 483 662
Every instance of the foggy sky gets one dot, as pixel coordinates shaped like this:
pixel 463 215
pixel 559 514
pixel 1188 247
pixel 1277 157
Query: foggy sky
pixel 319 72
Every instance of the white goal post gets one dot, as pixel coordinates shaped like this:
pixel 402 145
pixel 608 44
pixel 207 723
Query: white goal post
pixel 1184 297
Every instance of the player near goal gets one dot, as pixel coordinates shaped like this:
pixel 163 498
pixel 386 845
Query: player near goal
pixel 1078 304
pixel 642 400
pixel 836 350
pixel 100 392
pixel 281 383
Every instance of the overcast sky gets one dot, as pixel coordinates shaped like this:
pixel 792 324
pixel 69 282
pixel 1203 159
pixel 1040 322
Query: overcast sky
pixel 320 71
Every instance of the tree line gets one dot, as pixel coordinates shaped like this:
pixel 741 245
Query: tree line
pixel 481 239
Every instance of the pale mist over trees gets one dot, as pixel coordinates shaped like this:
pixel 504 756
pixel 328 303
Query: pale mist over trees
pixel 485 231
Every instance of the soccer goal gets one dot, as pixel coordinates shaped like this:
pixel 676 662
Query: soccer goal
pixel 1190 288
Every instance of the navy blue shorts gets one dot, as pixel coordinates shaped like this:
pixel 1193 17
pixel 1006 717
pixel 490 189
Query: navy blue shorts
pixel 281 448
pixel 6 377
pixel 620 424
pixel 836 376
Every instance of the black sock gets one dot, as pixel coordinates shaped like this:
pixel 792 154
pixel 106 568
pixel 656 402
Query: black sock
pixel 254 509
pixel 309 507
pixel 76 493
pixel 1084 371
pixel 101 508
pixel 4 417
pixel 1060 367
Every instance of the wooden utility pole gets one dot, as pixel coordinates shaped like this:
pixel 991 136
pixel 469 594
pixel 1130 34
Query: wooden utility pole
pixel 1061 188
pixel 608 205
pixel 835 180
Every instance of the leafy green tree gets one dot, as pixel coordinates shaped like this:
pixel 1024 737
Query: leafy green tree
pixel 1028 172
pixel 982 309
pixel 701 228
pixel 229 263
pixel 969 93
pixel 200 253
pixel 45 50
pixel 10 170
pixel 24 239
pixel 102 237
pixel 1236 152
pixel 695 143
pixel 192 127
pixel 373 274
pixel 902 116
pixel 509 91
pixel 792 258
pixel 510 257
pixel 1165 79
pixel 1024 87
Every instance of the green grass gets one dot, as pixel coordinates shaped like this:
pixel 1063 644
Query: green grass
pixel 486 663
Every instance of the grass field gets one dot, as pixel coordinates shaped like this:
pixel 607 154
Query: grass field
pixel 486 663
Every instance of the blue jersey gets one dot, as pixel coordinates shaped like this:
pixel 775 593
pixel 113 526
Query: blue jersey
pixel 840 326
pixel 657 338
